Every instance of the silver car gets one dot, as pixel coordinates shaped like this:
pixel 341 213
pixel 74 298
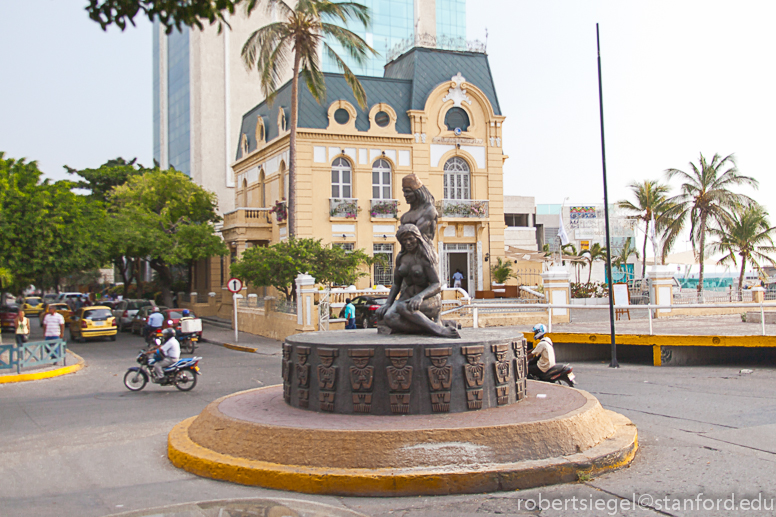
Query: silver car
pixel 125 311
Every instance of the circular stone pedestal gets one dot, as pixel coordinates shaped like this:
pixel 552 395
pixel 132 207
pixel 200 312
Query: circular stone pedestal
pixel 363 372
pixel 255 438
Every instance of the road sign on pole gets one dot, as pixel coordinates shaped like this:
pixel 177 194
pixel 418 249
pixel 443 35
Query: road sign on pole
pixel 234 285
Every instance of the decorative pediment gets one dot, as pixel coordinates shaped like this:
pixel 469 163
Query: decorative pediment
pixel 457 93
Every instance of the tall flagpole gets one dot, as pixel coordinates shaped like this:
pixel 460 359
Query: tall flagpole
pixel 614 363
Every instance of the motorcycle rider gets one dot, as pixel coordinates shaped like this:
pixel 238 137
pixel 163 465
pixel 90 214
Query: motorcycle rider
pixel 155 321
pixel 542 357
pixel 171 353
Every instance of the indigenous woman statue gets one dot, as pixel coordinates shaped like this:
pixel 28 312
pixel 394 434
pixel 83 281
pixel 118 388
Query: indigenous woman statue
pixel 422 212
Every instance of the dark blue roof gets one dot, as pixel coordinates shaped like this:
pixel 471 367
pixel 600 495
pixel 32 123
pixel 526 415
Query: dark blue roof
pixel 408 81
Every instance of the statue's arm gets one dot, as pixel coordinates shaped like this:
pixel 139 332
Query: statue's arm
pixel 427 222
pixel 433 288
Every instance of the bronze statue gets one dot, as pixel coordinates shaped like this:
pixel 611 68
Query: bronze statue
pixel 416 276
pixel 422 212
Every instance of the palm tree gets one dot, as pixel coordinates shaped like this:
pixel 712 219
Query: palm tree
pixel 596 252
pixel 747 234
pixel 624 254
pixel 571 250
pixel 705 199
pixel 651 203
pixel 298 37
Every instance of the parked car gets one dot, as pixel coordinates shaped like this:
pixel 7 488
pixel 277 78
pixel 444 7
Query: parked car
pixel 366 308
pixel 33 305
pixel 95 321
pixel 172 319
pixel 7 315
pixel 50 297
pixel 65 297
pixel 60 307
pixel 140 319
pixel 125 311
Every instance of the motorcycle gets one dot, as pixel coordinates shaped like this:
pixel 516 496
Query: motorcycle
pixel 182 374
pixel 558 374
pixel 188 342
pixel 153 337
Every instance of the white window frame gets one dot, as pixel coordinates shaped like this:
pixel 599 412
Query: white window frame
pixel 339 187
pixel 384 190
pixel 457 179
pixel 383 273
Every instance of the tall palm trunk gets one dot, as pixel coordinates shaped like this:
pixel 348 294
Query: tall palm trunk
pixel 644 251
pixel 701 253
pixel 741 279
pixel 292 147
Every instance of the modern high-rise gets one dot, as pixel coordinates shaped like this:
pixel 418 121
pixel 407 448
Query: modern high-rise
pixel 201 88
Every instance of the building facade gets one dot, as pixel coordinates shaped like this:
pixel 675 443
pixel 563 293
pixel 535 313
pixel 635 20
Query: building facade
pixel 435 113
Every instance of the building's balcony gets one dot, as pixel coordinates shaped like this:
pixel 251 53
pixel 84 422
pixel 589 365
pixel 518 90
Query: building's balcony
pixel 463 208
pixel 344 207
pixel 384 208
pixel 254 223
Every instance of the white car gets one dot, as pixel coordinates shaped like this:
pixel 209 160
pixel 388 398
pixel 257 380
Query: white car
pixel 125 311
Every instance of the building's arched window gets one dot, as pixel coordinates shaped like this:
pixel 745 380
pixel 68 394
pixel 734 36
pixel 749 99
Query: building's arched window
pixel 262 191
pixel 457 118
pixel 282 181
pixel 457 179
pixel 381 180
pixel 244 196
pixel 341 179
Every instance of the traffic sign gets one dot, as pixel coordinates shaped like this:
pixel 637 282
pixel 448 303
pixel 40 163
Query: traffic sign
pixel 234 285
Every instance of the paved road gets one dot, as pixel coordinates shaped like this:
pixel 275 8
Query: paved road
pixel 83 445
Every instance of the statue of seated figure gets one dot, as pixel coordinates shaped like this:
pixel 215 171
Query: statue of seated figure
pixel 416 311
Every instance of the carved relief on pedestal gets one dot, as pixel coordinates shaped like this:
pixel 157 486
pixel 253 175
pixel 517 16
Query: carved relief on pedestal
pixel 440 378
pixel 288 368
pixel 521 368
pixel 362 378
pixel 327 378
pixel 474 375
pixel 303 375
pixel 503 373
pixel 399 379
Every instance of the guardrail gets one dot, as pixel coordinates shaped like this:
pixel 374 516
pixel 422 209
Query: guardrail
pixel 476 307
pixel 33 354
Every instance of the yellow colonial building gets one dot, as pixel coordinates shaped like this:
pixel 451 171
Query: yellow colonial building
pixel 435 113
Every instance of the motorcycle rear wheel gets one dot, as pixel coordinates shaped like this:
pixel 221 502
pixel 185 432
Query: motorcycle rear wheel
pixel 185 380
pixel 135 380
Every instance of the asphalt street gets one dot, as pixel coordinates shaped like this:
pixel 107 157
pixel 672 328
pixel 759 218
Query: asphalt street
pixel 84 445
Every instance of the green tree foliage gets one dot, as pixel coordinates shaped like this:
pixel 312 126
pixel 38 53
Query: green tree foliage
pixel 173 14
pixel 163 215
pixel 278 265
pixel 299 38
pixel 651 202
pixel 109 175
pixel 502 270
pixel 48 231
pixel 623 254
pixel 748 234
pixel 596 252
pixel 705 200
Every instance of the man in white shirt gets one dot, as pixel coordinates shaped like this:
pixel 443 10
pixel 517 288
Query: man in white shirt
pixel 155 321
pixel 542 357
pixel 53 324
pixel 171 353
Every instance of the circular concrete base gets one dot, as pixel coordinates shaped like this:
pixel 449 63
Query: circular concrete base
pixel 253 438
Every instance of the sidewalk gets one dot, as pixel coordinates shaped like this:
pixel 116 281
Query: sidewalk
pixel 34 373
pixel 223 337
pixel 725 325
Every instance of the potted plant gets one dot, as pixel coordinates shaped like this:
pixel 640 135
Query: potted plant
pixel 501 271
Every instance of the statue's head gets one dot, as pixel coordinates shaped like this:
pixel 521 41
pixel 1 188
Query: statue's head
pixel 410 184
pixel 409 236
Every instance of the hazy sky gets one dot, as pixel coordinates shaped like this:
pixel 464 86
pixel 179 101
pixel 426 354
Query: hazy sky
pixel 679 78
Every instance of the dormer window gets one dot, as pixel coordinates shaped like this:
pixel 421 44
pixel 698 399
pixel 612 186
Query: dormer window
pixel 457 119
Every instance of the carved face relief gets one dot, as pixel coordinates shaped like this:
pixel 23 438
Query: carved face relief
pixel 473 359
pixel 398 362
pixel 326 361
pixel 439 362
pixel 360 362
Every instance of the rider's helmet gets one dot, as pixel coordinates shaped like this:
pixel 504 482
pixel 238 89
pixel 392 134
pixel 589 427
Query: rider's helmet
pixel 155 309
pixel 185 313
pixel 539 330
pixel 168 333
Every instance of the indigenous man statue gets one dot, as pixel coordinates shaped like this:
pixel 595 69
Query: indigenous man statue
pixel 416 273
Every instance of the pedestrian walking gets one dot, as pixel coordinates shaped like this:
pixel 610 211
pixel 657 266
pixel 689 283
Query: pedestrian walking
pixel 53 325
pixel 350 315
pixel 22 326
pixel 457 278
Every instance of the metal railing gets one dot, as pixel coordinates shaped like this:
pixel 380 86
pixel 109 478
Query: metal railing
pixel 475 309
pixel 384 208
pixel 36 353
pixel 343 207
pixel 470 208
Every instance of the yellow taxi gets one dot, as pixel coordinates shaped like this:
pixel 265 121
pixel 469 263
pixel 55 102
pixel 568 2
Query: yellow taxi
pixel 33 305
pixel 61 308
pixel 88 322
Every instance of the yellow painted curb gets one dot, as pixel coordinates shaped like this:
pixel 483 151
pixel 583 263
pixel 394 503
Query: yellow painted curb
pixel 660 340
pixel 615 453
pixel 240 348
pixel 24 377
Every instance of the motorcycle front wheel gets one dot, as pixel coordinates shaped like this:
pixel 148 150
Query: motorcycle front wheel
pixel 185 380
pixel 135 380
